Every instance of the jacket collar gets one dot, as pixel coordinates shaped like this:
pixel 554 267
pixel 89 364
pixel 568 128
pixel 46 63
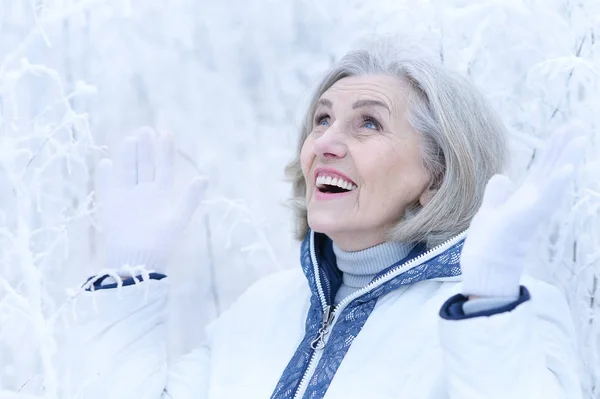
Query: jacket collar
pixel 317 256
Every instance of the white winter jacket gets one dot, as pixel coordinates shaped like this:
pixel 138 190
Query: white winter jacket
pixel 402 336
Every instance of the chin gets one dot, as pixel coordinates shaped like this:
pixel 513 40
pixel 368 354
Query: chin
pixel 326 223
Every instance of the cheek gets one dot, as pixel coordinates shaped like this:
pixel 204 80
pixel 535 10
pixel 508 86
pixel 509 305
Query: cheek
pixel 395 175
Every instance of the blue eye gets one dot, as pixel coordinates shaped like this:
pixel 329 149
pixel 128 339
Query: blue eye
pixel 370 123
pixel 322 120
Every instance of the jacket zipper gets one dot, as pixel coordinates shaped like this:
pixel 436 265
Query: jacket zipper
pixel 329 313
pixel 328 320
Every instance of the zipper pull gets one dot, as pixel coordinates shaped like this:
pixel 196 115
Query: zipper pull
pixel 319 342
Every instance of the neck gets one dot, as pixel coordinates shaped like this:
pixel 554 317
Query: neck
pixel 360 267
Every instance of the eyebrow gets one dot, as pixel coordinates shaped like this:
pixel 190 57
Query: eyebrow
pixel 325 102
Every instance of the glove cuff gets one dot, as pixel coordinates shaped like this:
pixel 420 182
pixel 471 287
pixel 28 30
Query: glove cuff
pixel 491 282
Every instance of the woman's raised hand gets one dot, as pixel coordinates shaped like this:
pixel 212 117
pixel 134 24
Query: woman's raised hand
pixel 502 231
pixel 137 214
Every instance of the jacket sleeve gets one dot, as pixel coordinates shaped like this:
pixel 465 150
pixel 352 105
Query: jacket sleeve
pixel 525 349
pixel 114 346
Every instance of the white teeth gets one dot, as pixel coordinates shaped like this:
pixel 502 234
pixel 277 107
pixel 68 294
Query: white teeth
pixel 334 181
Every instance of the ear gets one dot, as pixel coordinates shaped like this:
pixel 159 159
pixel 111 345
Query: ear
pixel 426 196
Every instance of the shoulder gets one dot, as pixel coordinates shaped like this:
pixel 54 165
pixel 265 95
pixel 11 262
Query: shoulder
pixel 276 285
pixel 279 294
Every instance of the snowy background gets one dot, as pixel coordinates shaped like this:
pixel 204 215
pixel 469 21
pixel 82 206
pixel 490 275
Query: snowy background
pixel 230 80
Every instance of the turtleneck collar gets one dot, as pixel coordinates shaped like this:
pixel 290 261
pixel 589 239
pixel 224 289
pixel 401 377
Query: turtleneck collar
pixel 360 267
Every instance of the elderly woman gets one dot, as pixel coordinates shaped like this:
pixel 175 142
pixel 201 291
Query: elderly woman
pixel 393 299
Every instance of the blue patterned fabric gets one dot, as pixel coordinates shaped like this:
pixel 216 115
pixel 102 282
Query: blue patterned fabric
pixel 353 316
pixel 292 375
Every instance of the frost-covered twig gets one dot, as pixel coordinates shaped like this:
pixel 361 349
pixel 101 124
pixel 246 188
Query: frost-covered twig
pixel 245 216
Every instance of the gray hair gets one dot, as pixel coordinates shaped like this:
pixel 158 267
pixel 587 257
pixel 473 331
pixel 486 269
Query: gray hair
pixel 464 143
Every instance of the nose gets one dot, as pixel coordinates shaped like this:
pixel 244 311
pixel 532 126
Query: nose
pixel 330 145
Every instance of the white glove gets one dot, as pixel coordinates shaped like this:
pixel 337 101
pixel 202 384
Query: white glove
pixel 140 222
pixel 494 254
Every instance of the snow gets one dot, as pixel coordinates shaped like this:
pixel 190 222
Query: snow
pixel 230 80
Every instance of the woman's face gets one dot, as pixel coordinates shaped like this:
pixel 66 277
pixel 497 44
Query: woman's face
pixel 362 161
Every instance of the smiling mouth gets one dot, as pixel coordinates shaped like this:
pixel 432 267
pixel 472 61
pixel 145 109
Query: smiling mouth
pixel 333 185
